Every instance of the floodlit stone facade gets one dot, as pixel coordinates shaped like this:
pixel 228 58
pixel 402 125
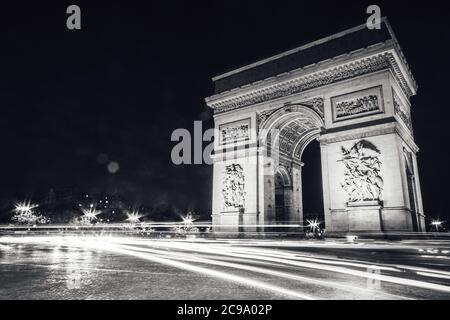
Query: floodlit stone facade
pixel 351 91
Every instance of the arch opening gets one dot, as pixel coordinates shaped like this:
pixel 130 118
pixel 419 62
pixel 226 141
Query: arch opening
pixel 312 183
pixel 287 134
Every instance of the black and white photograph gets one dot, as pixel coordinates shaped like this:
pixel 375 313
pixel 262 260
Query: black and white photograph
pixel 224 155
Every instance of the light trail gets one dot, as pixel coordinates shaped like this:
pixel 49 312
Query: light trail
pixel 124 226
pixel 52 267
pixel 191 258
pixel 433 275
pixel 367 275
pixel 243 255
pixel 295 256
pixel 424 270
pixel 110 247
pixel 265 271
pixel 435 257
pixel 202 270
pixel 232 251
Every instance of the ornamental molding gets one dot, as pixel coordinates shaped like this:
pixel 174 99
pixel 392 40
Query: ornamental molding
pixel 358 103
pixel 349 70
pixel 360 133
pixel 357 106
pixel 263 116
pixel 235 131
pixel 316 104
pixel 377 130
pixel 401 111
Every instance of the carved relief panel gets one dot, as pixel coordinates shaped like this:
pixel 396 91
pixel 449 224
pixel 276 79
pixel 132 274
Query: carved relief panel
pixel 234 132
pixel 356 104
pixel 233 187
pixel 362 175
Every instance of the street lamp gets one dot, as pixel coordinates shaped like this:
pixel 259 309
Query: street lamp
pixel 188 219
pixel 313 224
pixel 24 207
pixel 134 217
pixel 91 213
pixel 437 224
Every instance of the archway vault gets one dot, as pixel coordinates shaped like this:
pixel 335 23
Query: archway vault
pixel 288 130
pixel 284 136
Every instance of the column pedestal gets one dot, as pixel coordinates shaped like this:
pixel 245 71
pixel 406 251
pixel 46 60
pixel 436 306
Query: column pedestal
pixel 226 222
pixel 365 216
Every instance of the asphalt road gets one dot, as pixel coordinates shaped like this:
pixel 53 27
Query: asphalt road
pixel 90 267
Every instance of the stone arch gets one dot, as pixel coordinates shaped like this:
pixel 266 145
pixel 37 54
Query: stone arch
pixel 283 187
pixel 283 173
pixel 347 98
pixel 284 134
pixel 304 142
pixel 292 127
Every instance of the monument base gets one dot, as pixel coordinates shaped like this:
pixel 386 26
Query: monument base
pixel 364 216
pixel 235 222
pixel 226 221
pixel 357 216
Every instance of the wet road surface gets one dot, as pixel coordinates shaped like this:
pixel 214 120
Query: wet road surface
pixel 111 267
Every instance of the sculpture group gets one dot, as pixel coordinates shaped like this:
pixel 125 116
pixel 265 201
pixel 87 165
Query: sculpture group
pixel 363 181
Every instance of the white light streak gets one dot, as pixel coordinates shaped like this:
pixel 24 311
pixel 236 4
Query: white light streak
pixel 433 275
pixel 240 266
pixel 243 255
pixel 98 244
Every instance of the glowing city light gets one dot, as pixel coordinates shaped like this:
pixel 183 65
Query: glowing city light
pixel 23 207
pixel 313 224
pixel 91 213
pixel 188 219
pixel 437 224
pixel 134 217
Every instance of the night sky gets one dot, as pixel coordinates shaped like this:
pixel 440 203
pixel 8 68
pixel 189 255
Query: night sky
pixel 71 101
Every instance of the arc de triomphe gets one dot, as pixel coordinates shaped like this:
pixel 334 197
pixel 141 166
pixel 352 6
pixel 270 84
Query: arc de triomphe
pixel 351 91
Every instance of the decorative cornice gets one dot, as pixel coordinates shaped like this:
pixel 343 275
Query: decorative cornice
pixel 382 61
pixel 316 104
pixel 376 130
pixel 404 115
pixel 359 133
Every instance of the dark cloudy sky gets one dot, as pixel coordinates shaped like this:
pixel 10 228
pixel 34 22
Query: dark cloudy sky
pixel 138 70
